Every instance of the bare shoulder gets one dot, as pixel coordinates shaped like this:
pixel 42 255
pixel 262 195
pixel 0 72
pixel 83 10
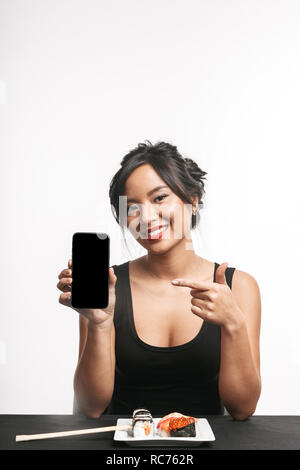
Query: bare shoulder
pixel 139 261
pixel 137 267
pixel 246 292
pixel 244 283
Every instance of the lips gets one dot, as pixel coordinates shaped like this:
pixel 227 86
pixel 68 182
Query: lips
pixel 158 227
pixel 157 232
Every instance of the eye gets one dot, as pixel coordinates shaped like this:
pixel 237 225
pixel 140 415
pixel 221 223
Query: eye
pixel 134 207
pixel 162 195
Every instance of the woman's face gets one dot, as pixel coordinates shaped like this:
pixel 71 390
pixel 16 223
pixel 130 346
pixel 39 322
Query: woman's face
pixel 157 218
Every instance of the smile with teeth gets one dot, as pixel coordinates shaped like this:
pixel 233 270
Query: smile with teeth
pixel 156 233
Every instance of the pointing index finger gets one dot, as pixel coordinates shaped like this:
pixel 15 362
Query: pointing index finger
pixel 192 284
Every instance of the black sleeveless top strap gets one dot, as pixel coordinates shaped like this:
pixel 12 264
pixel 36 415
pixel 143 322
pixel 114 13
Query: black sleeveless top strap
pixel 181 378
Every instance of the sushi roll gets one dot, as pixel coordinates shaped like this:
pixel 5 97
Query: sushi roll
pixel 141 411
pixel 142 423
pixel 177 425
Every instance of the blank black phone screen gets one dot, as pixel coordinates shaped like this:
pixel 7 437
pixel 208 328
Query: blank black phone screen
pixel 90 264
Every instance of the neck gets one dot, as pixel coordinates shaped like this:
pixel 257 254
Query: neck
pixel 178 262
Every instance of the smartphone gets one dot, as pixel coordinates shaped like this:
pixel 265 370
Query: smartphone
pixel 90 264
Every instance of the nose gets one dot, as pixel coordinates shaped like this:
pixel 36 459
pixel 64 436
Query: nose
pixel 149 217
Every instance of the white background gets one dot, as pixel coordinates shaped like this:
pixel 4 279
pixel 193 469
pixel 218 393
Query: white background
pixel 81 83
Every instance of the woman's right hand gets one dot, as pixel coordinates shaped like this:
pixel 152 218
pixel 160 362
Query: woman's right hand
pixel 101 317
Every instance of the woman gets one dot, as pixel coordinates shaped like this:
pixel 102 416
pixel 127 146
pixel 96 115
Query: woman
pixel 190 346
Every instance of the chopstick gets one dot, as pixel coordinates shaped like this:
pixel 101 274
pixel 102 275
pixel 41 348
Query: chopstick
pixel 77 432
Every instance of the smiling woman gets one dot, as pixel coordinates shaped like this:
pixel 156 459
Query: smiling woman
pixel 181 176
pixel 190 346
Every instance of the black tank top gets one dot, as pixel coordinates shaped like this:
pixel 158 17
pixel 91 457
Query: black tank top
pixel 181 378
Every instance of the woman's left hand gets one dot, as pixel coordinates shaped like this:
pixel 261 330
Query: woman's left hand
pixel 213 301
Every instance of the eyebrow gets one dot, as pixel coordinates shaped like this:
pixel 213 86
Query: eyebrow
pixel 149 193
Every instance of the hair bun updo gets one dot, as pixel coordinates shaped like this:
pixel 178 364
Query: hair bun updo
pixel 194 170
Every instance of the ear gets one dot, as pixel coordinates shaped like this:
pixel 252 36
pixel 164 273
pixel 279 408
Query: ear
pixel 195 202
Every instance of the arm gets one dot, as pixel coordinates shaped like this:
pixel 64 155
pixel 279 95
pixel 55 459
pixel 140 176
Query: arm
pixel 94 376
pixel 239 377
pixel 237 311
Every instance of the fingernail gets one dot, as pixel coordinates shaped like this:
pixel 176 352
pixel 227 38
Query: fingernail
pixel 175 281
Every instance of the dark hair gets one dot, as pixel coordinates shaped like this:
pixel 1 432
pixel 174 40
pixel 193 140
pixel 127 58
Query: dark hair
pixel 182 175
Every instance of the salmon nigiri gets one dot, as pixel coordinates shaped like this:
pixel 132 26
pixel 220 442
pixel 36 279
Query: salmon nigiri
pixel 177 425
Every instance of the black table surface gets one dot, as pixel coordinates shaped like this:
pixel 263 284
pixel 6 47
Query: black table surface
pixel 256 433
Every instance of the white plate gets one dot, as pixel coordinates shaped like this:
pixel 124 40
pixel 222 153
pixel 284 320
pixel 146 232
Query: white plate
pixel 203 434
